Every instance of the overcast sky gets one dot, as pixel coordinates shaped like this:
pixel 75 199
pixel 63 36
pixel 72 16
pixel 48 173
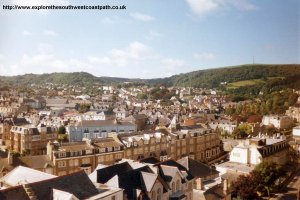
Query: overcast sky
pixel 151 38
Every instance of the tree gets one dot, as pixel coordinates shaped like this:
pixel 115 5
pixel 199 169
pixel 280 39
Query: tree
pixel 61 130
pixel 84 108
pixel 254 119
pixel 262 180
pixel 268 174
pixel 142 95
pixel 245 186
pixel 242 131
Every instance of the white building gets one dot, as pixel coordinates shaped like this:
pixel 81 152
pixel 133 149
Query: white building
pixel 223 125
pixel 296 131
pixel 279 122
pixel 245 156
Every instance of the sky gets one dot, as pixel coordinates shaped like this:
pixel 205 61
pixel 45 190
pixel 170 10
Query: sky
pixel 150 39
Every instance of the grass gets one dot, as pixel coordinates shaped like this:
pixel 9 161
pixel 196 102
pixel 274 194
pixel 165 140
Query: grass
pixel 238 84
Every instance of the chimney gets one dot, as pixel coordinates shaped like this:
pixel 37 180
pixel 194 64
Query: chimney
pixel 225 185
pixel 50 149
pixel 199 184
pixel 10 158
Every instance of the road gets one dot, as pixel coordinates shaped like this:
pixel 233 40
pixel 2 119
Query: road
pixel 292 188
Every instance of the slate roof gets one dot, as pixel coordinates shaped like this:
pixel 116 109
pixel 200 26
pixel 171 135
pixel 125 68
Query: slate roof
pixel 105 174
pixel 132 181
pixel 35 162
pixel 22 175
pixel 76 183
pixel 56 101
pixel 17 192
pixel 196 168
pixel 95 123
pixel 215 193
pixel 173 163
pixel 150 160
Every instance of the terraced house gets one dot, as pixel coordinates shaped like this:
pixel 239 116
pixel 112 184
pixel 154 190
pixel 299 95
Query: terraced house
pixel 31 140
pixel 72 157
pixel 92 129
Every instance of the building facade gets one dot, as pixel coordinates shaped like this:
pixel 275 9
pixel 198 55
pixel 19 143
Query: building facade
pixel 31 140
pixel 92 129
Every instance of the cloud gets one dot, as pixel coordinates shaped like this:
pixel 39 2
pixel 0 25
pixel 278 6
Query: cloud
pixel 243 5
pixel 135 52
pixel 205 7
pixel 152 35
pixel 205 56
pixel 50 33
pixel 44 61
pixel 141 17
pixel 172 63
pixel 27 33
pixel 107 20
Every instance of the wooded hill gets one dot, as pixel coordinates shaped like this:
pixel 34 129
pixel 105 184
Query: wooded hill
pixel 286 75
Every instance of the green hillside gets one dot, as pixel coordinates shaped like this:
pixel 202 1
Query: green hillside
pixel 211 78
pixel 237 77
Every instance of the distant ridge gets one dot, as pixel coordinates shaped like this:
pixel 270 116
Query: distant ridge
pixel 208 78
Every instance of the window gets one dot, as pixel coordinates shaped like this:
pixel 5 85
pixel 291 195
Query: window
pixel 153 195
pixel 113 198
pixel 62 154
pixel 118 156
pixel 86 135
pixel 71 163
pixel 88 151
pixel 177 185
pixel 207 154
pixel 76 163
pixel 101 159
pixel 61 164
pixel 173 187
pixel 109 149
pixel 159 194
pixel 108 158
pixel 85 160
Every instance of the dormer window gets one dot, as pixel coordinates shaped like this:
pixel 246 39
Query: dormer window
pixel 109 149
pixel 88 151
pixel 62 154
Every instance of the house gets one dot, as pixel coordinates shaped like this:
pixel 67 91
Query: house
pixel 72 186
pixel 91 129
pixel 279 122
pixel 294 111
pixel 138 119
pixel 23 175
pixel 296 136
pixel 203 174
pixel 59 103
pixel 97 115
pixel 31 140
pixel 245 156
pixel 163 180
pixel 226 126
